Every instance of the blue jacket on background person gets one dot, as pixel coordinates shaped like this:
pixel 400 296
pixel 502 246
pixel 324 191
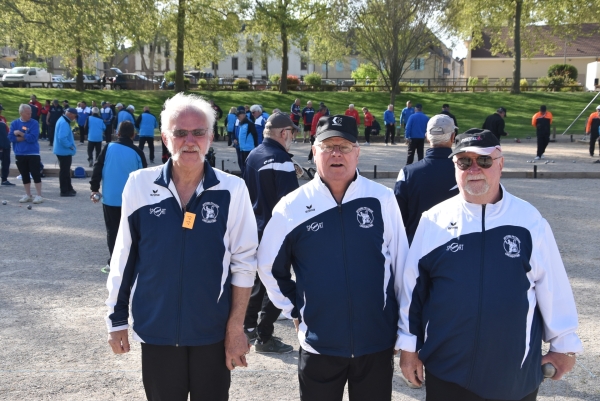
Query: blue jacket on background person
pixel 64 142
pixel 94 126
pixel 406 113
pixel 30 146
pixel 82 115
pixel 389 117
pixel 416 126
pixel 231 119
pixel 124 115
pixel 146 123
pixel 259 124
pixel 246 135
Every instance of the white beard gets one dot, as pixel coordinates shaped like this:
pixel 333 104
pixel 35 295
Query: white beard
pixel 478 189
pixel 176 156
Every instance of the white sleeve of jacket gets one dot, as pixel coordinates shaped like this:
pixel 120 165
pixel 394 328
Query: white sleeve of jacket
pixel 273 254
pixel 243 238
pixel 119 262
pixel 407 341
pixel 553 293
pixel 398 248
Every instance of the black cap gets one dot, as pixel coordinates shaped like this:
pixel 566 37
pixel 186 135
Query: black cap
pixel 338 125
pixel 419 106
pixel 501 110
pixel 280 120
pixel 480 141
pixel 542 108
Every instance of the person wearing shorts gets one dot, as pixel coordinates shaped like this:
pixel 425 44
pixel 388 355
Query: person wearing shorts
pixel 24 133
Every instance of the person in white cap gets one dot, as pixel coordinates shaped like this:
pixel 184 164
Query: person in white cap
pixel 483 286
pixel 424 184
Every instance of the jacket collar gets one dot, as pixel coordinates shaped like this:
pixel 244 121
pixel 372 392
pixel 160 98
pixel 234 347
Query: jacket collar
pixel 438 153
pixel 274 143
pixel 322 187
pixel 125 140
pixel 166 175
pixel 491 209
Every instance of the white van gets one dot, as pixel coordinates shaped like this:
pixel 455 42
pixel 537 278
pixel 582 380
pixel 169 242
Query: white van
pixel 27 77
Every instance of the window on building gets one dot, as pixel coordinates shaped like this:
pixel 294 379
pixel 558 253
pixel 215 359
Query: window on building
pixel 339 66
pixel 324 67
pixel 303 64
pixel 249 63
pixel 234 63
pixel 249 45
pixel 353 64
pixel 418 64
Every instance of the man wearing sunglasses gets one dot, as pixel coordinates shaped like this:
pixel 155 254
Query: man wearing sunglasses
pixel 344 237
pixel 484 285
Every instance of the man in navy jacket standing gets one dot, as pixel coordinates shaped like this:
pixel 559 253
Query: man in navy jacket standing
pixel 269 176
pixel 415 133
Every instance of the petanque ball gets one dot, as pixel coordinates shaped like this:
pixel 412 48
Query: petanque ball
pixel 29 207
pixel 4 202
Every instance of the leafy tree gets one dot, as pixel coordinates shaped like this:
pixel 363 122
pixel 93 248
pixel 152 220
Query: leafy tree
pixel 564 70
pixel 326 43
pixel 365 71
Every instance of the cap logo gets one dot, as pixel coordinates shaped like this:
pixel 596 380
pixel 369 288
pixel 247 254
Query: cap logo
pixel 336 121
pixel 472 138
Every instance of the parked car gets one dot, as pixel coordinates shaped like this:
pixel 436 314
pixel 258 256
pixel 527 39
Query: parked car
pixel 57 81
pixel 260 84
pixel 131 81
pixel 27 77
pixel 328 82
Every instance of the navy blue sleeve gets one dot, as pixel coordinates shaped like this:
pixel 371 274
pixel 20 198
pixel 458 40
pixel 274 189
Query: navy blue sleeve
pixel 401 192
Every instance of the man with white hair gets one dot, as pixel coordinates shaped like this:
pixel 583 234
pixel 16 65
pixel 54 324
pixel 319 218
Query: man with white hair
pixel 269 176
pixel 259 121
pixel 424 184
pixel 124 115
pixel 484 285
pixel 184 262
pixel 343 236
pixel 352 112
pixel 24 133
pixel 95 127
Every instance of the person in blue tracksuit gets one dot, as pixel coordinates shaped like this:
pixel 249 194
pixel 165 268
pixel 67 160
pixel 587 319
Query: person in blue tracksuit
pixel 484 285
pixel 116 161
pixel 389 119
pixel 124 115
pixel 183 264
pixel 259 121
pixel 246 138
pixel 95 127
pixel 146 124
pixel 416 127
pixel 23 134
pixel 422 185
pixel 269 176
pixel 406 113
pixel 107 115
pixel 83 112
pixel 343 236
pixel 231 119
pixel 64 149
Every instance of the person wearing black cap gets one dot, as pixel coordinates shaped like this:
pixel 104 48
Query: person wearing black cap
pixel 446 111
pixel 484 284
pixel 269 176
pixel 344 238
pixel 542 121
pixel 495 123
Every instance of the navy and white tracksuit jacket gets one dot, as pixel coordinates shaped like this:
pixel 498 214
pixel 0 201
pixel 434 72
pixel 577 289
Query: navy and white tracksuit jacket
pixel 177 281
pixel 483 286
pixel 348 261
pixel 269 176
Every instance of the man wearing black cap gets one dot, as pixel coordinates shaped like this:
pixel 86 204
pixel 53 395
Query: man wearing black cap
pixel 484 284
pixel 56 111
pixel 446 111
pixel 542 121
pixel 343 235
pixel 495 123
pixel 269 176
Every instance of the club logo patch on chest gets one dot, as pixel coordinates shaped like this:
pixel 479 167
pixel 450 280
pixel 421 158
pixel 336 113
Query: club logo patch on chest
pixel 365 217
pixel 512 246
pixel 210 211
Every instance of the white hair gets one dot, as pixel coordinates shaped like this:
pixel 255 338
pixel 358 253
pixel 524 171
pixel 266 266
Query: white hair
pixel 255 107
pixel 351 105
pixel 95 110
pixel 24 107
pixel 181 104
pixel 439 140
pixel 267 132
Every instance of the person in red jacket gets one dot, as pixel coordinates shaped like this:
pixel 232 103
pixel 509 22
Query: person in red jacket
pixel 591 129
pixel 368 124
pixel 44 115
pixel 323 111
pixel 33 101
pixel 353 113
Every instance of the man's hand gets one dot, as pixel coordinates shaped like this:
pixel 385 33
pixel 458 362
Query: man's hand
pixel 119 341
pixel 297 324
pixel 92 197
pixel 563 363
pixel 236 348
pixel 412 367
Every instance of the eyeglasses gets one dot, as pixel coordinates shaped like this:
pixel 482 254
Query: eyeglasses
pixel 343 148
pixel 485 162
pixel 182 133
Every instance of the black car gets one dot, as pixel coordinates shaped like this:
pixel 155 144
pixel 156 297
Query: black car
pixel 130 81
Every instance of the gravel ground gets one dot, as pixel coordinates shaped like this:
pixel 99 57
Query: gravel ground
pixel 52 302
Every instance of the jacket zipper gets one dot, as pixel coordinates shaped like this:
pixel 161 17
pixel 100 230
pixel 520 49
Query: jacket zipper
pixel 481 269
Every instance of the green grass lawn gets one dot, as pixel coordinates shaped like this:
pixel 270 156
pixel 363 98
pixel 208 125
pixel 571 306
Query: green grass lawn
pixel 470 109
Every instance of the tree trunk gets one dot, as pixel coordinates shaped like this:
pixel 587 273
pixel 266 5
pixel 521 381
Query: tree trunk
pixel 179 83
pixel 79 80
pixel 516 87
pixel 284 60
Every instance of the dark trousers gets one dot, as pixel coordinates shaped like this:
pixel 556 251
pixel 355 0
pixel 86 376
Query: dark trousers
pixel 367 134
pixel 5 162
pixel 51 133
pixel 30 164
pixel 97 146
pixel 170 373
pixel 112 217
pixel 242 156
pixel 229 138
pixel 543 139
pixel 44 133
pixel 260 303
pixel 323 377
pixel 593 138
pixel 64 175
pixel 310 151
pixel 440 390
pixel 108 133
pixel 390 130
pixel 415 144
pixel 150 142
pixel 81 133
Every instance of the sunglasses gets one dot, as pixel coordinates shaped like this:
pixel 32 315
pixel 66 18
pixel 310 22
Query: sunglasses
pixel 181 133
pixel 485 162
